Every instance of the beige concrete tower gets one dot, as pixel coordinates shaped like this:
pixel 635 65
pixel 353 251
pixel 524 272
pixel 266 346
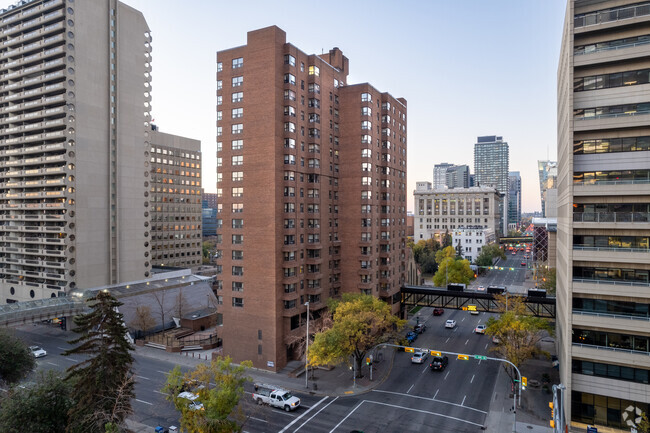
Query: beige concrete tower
pixel 603 195
pixel 175 200
pixel 74 151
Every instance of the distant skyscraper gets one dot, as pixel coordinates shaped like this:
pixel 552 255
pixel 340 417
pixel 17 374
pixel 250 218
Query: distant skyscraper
pixel 548 187
pixel 74 147
pixel 440 175
pixel 514 199
pixel 491 168
pixel 457 176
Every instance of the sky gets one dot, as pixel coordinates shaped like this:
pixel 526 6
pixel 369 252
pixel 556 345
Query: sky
pixel 467 68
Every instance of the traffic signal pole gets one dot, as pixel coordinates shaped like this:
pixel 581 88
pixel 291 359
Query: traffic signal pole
pixel 466 357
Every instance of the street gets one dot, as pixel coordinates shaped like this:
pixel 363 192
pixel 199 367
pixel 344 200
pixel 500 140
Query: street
pixel 513 280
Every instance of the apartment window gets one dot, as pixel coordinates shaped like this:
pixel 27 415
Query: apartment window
pixel 313 163
pixel 313 88
pixel 366 111
pixel 219 100
pixel 289 127
pixel 385 131
pixel 288 305
pixel 219 117
pixel 219 161
pixel 290 159
pixel 219 84
pixel 366 195
pixel 238 302
pixel 314 133
pixel 237 81
pixel 237 286
pixel 237 113
pixel 289 239
pixel 290 95
pixel 366 208
pixel 237 239
pixel 237 255
pixel 385 118
pixel 289 143
pixel 313 148
pixel 237 160
pixel 219 134
pixel 289 207
pixel 314 118
pixel 313 238
pixel 237 176
pixel 238 62
pixel 289 111
pixel 366 97
pixel 289 288
pixel 237 128
pixel 289 60
pixel 237 207
pixel 238 192
pixel 289 191
pixel 237 144
pixel 219 66
pixel 219 146
pixel 314 70
pixel 289 175
pixel 313 103
pixel 289 223
pixel 366 166
pixel 385 106
pixel 366 153
pixel 366 124
pixel 289 272
pixel 237 97
pixel 290 79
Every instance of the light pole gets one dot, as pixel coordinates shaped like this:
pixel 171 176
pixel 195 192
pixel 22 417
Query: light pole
pixel 307 349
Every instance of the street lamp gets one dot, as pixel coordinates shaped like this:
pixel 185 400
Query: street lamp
pixel 307 349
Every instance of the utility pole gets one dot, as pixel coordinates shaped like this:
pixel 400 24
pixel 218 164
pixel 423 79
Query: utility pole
pixel 307 349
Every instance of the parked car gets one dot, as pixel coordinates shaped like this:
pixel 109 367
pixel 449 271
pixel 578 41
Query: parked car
pixel 420 328
pixel 450 324
pixel 439 363
pixel 411 337
pixel 193 404
pixel 480 329
pixel 438 311
pixel 37 351
pixel 419 357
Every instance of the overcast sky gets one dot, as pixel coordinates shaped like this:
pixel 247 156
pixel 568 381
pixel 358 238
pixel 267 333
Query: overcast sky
pixel 466 67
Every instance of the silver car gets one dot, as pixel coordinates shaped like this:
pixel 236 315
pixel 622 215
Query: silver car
pixel 37 351
pixel 419 357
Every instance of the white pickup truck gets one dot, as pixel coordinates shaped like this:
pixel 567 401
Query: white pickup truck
pixel 276 397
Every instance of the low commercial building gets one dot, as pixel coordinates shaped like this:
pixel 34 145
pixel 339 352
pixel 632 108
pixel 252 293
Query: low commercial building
pixel 471 240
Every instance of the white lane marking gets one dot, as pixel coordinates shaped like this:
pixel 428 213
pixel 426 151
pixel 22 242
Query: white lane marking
pixel 467 342
pixel 321 409
pixel 462 320
pixel 410 388
pixel 447 340
pixel 486 346
pixel 258 419
pixel 479 362
pixel 145 402
pixel 62 348
pixel 71 359
pixel 303 414
pixel 159 392
pixel 472 380
pixel 162 372
pixel 51 363
pixel 142 377
pixel 436 394
pixel 425 368
pixel 464 397
pixel 429 399
pixel 346 417
pixel 408 408
pixel 455 329
pixel 446 375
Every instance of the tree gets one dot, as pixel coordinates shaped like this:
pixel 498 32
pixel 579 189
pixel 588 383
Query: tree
pixel 219 386
pixel 181 304
pixel 453 270
pixel 547 279
pixel 459 250
pixel 103 382
pixel 41 407
pixel 360 322
pixel 16 360
pixel 424 253
pixel 488 254
pixel 159 297
pixel 447 252
pixel 644 424
pixel 518 331
pixel 143 319
pixel 446 239
pixel 316 325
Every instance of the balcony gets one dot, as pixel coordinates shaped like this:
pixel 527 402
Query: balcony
pixel 609 18
pixel 637 119
pixel 611 255
pixel 612 54
pixel 631 289
pixel 611 187
pixel 613 322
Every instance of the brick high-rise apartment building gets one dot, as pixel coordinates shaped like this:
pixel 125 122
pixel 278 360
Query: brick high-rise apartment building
pixel 603 204
pixel 74 156
pixel 312 185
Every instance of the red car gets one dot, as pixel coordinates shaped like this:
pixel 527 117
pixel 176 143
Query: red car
pixel 438 311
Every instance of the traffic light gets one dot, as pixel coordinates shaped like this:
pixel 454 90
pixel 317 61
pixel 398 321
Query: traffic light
pixel 409 350
pixel 368 362
pixel 434 353
pixel 524 381
pixel 463 357
pixel 550 404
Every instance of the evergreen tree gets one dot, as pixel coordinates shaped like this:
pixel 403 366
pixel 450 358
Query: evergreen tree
pixel 104 381
pixel 16 360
